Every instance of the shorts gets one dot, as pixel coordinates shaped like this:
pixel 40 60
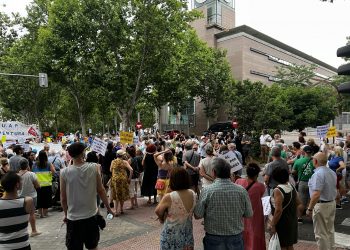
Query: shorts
pixel 82 232
pixel 133 187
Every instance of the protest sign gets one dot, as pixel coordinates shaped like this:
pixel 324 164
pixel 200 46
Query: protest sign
pixel 322 131
pixel 17 130
pixel 136 140
pixel 332 132
pixel 232 159
pixel 3 138
pixel 126 137
pixel 266 205
pixel 99 146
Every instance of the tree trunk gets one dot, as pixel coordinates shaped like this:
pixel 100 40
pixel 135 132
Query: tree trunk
pixel 81 115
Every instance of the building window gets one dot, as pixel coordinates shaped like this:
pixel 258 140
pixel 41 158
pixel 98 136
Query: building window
pixel 185 116
pixel 214 13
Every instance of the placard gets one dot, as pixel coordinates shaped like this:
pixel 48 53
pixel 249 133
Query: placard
pixel 99 146
pixel 322 131
pixel 126 137
pixel 266 205
pixel 332 132
pixel 232 159
pixel 3 138
pixel 136 140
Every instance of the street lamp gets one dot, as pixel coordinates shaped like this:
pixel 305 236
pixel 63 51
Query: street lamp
pixel 43 81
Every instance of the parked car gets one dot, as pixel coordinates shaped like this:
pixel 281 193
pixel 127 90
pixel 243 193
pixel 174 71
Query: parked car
pixel 221 127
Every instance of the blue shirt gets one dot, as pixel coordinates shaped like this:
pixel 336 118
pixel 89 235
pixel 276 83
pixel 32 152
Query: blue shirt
pixel 334 162
pixel 223 204
pixel 325 181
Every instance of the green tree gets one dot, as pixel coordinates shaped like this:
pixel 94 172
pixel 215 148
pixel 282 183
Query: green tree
pixel 296 75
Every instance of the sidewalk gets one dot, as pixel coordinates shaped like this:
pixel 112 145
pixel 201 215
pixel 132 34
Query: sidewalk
pixel 137 229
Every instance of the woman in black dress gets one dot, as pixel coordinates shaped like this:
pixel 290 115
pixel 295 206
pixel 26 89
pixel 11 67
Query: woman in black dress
pixel 284 204
pixel 150 174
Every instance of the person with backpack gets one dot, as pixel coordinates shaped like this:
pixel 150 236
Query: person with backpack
pixel 303 168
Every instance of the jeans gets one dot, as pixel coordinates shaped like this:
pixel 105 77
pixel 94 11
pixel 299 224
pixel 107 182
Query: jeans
pixel 222 242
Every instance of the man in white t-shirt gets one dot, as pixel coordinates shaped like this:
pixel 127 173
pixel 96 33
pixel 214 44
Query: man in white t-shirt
pixel 265 139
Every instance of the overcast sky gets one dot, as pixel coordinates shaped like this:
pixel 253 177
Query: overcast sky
pixel 314 27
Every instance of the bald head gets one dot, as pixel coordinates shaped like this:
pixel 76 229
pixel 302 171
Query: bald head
pixel 320 159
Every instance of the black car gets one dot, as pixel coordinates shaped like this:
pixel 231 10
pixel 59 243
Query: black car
pixel 221 127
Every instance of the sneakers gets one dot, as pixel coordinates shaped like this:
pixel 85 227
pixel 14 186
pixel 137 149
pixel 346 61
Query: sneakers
pixel 339 206
pixel 300 220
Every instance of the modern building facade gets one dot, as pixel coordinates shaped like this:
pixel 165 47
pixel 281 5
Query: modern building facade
pixel 251 54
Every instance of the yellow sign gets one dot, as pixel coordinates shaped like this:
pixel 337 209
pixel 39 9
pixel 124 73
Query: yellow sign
pixel 126 137
pixel 3 138
pixel 332 132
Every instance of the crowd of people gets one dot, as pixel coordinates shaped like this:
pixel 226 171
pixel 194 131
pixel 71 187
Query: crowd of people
pixel 186 177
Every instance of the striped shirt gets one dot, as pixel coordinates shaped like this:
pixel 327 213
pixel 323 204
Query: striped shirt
pixel 13 224
pixel 223 205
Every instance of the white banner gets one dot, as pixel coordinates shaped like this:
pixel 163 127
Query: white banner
pixel 99 146
pixel 231 158
pixel 18 130
pixel 322 131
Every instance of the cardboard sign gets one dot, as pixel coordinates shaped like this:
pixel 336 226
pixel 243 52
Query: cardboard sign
pixel 231 158
pixel 322 131
pixel 266 205
pixel 332 132
pixel 99 146
pixel 126 137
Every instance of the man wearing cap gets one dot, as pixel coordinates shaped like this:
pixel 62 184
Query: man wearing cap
pixel 323 191
pixel 303 168
pixel 14 160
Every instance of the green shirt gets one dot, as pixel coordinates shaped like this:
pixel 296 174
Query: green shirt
pixel 304 172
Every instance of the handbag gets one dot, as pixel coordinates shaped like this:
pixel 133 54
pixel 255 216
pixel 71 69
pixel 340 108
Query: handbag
pixel 160 184
pixel 274 243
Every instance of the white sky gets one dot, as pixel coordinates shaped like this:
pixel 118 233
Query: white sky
pixel 314 27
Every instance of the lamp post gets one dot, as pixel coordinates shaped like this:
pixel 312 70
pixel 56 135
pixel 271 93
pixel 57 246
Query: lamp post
pixel 43 81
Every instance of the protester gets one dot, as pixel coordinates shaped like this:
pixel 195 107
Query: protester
pixel 223 205
pixel 175 210
pixel 120 180
pixel 79 184
pixel 4 168
pixel 44 171
pixel 150 174
pixel 14 212
pixel 106 161
pixel 284 205
pixel 29 184
pixel 322 206
pixel 136 167
pixel 337 164
pixel 14 160
pixel 191 161
pixel 164 161
pixel 265 140
pixel 303 168
pixel 206 166
pixel 277 161
pixel 254 228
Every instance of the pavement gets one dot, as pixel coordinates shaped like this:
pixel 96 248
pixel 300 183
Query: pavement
pixel 138 229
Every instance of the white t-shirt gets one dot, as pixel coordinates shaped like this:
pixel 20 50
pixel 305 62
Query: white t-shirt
pixel 265 139
pixel 28 189
pixel 81 189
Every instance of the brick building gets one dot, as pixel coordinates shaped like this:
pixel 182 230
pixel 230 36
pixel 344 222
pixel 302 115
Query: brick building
pixel 250 53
